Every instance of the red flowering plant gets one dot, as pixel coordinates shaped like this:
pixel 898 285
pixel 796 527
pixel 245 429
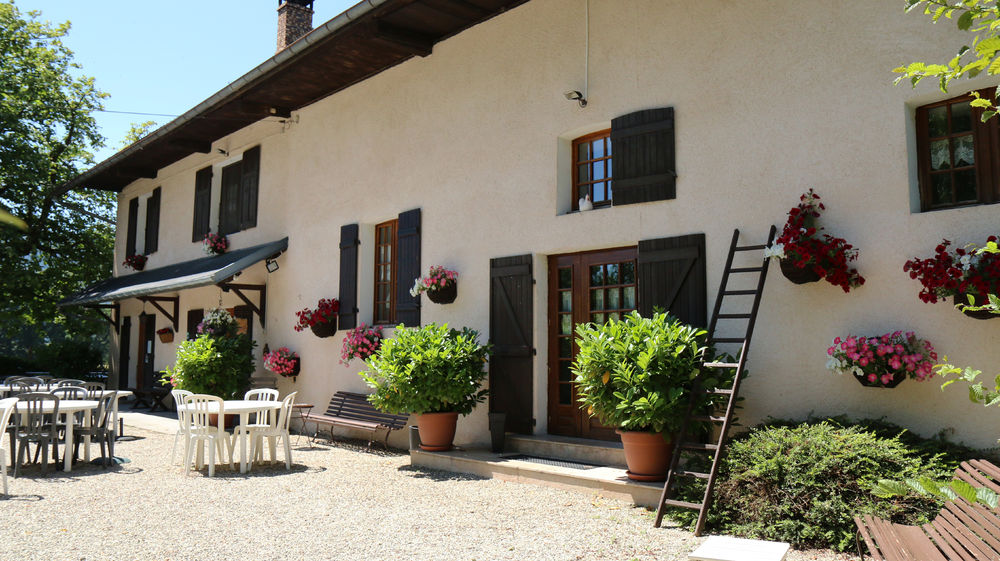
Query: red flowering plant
pixel 361 342
pixel 164 331
pixel 971 271
pixel 437 279
pixel 215 244
pixel 801 245
pixel 282 361
pixel 135 262
pixel 884 359
pixel 325 312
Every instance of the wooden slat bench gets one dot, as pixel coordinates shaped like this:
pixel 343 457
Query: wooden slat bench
pixel 961 532
pixel 352 410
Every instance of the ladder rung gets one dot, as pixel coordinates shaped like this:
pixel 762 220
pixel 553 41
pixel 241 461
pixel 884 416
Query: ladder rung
pixel 698 446
pixel 739 292
pixel 746 270
pixel 708 419
pixel 682 504
pixel 750 247
pixel 697 474
pixel 722 365
pixel 719 391
pixel 727 340
pixel 734 316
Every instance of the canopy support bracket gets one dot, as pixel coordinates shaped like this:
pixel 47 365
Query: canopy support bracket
pixel 112 315
pixel 261 291
pixel 175 300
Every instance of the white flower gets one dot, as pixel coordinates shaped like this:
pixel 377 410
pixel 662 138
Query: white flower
pixel 776 250
pixel 415 291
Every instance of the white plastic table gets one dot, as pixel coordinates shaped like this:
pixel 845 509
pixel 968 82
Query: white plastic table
pixel 66 407
pixel 242 407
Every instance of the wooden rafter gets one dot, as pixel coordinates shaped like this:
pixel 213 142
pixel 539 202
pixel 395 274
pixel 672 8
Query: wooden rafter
pixel 238 289
pixel 110 312
pixel 172 317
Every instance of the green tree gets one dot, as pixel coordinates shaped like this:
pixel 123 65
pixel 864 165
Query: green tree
pixel 47 133
pixel 981 18
pixel 136 131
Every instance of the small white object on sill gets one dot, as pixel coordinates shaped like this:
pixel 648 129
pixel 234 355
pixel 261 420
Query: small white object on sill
pixel 725 548
pixel 585 204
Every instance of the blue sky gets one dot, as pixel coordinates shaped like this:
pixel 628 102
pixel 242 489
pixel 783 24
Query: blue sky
pixel 158 56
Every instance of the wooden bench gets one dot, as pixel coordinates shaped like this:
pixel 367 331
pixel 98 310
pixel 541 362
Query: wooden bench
pixel 961 532
pixel 352 410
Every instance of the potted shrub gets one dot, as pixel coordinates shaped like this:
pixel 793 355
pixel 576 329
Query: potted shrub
pixel 806 256
pixel 883 361
pixel 636 374
pixel 215 244
pixel 136 262
pixel 360 342
pixel 969 276
pixel 440 284
pixel 433 372
pixel 322 321
pixel 166 335
pixel 284 362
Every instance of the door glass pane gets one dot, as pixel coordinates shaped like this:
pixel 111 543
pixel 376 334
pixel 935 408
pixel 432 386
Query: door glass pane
pixel 628 300
pixel 628 273
pixel 566 278
pixel 565 394
pixel 940 156
pixel 566 301
pixel 597 318
pixel 613 316
pixel 937 121
pixel 597 300
pixel 612 277
pixel 965 155
pixel 565 324
pixel 941 189
pixel 596 275
pixel 612 302
pixel 565 347
pixel 564 374
pixel 961 117
pixel 965 186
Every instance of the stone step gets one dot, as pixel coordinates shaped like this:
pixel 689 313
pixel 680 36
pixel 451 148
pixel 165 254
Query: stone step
pixel 599 452
pixel 609 482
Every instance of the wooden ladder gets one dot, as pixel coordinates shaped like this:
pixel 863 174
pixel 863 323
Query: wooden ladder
pixel 681 444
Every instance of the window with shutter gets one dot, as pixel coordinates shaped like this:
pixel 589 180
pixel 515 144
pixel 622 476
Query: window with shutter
pixel 643 146
pixel 202 204
pixel 153 221
pixel 592 169
pixel 132 228
pixel 240 188
pixel 229 200
pixel 194 317
pixel 385 272
pixel 248 188
pixel 349 241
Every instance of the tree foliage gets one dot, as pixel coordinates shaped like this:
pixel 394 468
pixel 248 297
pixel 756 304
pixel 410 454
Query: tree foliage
pixel 47 133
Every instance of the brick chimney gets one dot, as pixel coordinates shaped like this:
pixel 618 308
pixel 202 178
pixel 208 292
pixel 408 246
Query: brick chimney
pixel 294 20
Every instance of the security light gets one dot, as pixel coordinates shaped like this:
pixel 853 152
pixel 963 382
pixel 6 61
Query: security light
pixel 575 95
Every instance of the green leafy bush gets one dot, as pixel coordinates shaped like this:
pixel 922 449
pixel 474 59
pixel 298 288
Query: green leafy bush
pixel 213 365
pixel 636 373
pixel 430 369
pixel 803 482
pixel 71 359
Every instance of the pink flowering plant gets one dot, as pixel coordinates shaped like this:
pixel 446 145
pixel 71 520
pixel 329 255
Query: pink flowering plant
pixel 325 312
pixel 215 244
pixel 879 360
pixel 436 279
pixel 282 361
pixel 361 342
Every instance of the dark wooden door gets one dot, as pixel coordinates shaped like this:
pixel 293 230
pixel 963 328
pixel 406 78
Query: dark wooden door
pixel 124 351
pixel 144 368
pixel 512 335
pixel 583 287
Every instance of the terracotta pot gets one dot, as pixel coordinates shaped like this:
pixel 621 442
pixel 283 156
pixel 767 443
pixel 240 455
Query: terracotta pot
pixel 896 379
pixel 437 430
pixel 325 329
pixel 980 301
pixel 795 274
pixel 445 294
pixel 647 455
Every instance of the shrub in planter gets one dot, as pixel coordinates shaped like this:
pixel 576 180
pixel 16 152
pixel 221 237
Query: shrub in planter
pixel 636 374
pixel 434 372
pixel 883 361
pixel 218 362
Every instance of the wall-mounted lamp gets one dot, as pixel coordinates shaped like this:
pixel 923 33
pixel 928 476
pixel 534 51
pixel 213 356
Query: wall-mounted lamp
pixel 271 265
pixel 575 95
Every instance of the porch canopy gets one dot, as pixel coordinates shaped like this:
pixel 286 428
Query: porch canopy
pixel 189 274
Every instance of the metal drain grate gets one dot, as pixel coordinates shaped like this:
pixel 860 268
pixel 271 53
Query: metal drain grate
pixel 551 462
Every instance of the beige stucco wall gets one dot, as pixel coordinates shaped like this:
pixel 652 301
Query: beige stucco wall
pixel 769 101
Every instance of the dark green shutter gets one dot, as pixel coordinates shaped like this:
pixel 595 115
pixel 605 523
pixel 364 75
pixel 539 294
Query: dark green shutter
pixel 229 199
pixel 671 276
pixel 153 222
pixel 349 241
pixel 133 225
pixel 194 317
pixel 512 334
pixel 407 267
pixel 202 204
pixel 642 147
pixel 249 188
pixel 124 351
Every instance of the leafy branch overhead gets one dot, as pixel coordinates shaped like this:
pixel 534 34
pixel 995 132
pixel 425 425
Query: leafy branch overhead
pixel 981 18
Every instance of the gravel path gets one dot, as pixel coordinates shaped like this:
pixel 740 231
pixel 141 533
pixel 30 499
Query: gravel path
pixel 339 501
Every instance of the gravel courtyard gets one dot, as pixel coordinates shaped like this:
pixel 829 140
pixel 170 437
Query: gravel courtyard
pixel 339 501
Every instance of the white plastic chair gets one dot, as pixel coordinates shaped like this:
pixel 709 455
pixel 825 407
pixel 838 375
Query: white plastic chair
pixel 200 431
pixel 273 433
pixel 179 396
pixel 6 409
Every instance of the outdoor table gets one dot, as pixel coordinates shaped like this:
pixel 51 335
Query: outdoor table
pixel 243 408
pixel 67 407
pixel 303 410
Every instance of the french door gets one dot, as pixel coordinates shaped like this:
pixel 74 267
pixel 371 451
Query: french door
pixel 583 287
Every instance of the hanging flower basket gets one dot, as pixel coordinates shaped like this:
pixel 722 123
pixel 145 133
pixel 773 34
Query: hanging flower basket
pixel 962 299
pixel 883 361
pixel 441 285
pixel 958 273
pixel 322 321
pixel 324 329
pixel 896 379
pixel 135 262
pixel 795 274
pixel 215 244
pixel 445 294
pixel 166 335
pixel 284 362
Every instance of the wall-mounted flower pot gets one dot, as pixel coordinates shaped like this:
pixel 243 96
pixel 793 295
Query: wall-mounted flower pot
pixel 437 431
pixel 295 371
pixel 896 379
pixel 647 455
pixel 444 295
pixel 325 329
pixel 795 274
pixel 167 337
pixel 975 314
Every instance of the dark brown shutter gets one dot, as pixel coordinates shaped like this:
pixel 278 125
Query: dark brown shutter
pixel 153 222
pixel 202 204
pixel 511 332
pixel 124 351
pixel 229 199
pixel 249 188
pixel 407 267
pixel 194 317
pixel 642 144
pixel 671 276
pixel 349 241
pixel 133 225
pixel 245 313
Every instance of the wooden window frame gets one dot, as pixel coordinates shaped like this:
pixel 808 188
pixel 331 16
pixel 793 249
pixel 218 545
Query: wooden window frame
pixel 392 263
pixel 577 183
pixel 986 139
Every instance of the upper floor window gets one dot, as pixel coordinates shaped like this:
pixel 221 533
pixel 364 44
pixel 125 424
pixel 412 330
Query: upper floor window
pixel 385 271
pixel 151 230
pixel 238 198
pixel 957 154
pixel 592 169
